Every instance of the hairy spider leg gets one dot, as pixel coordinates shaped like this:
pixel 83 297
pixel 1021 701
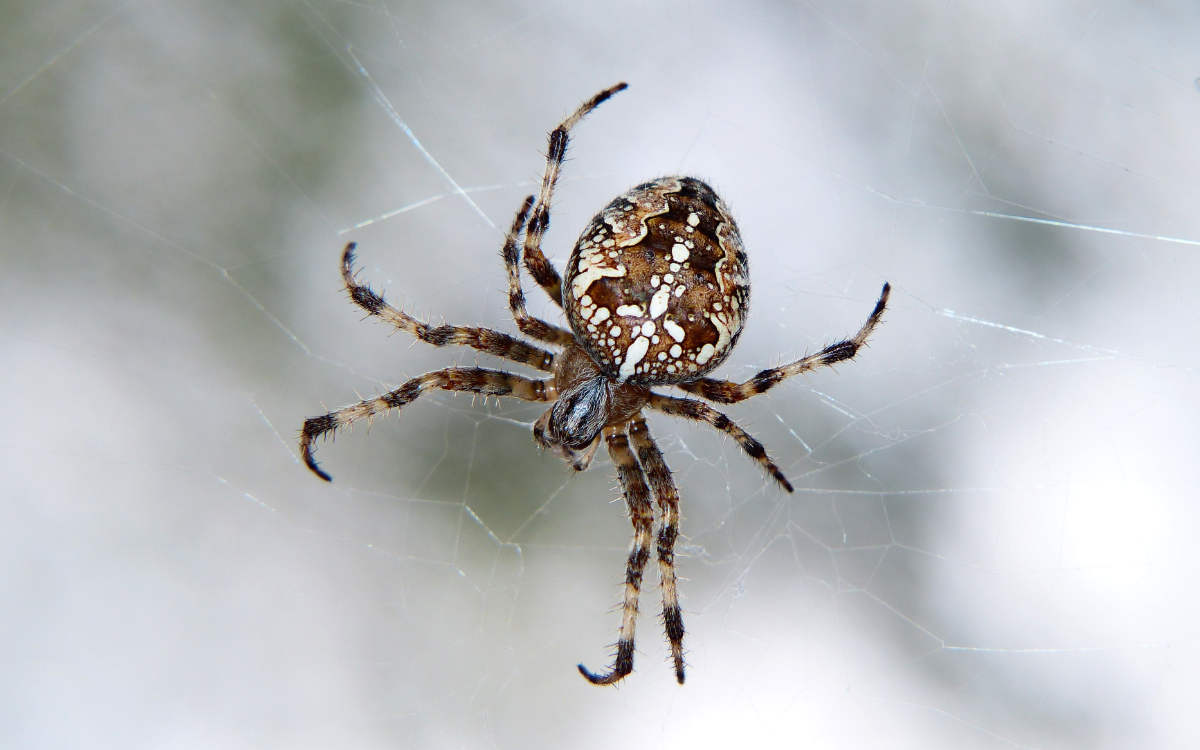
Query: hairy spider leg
pixel 728 392
pixel 484 339
pixel 667 497
pixel 702 412
pixel 641 514
pixel 539 267
pixel 528 324
pixel 474 379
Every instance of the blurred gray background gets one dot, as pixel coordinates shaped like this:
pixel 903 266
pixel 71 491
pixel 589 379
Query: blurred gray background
pixel 993 539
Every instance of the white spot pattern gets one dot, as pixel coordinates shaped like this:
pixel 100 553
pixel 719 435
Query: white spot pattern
pixel 658 303
pixel 637 350
pixel 674 329
pixel 684 274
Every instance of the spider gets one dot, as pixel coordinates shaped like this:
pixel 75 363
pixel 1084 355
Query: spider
pixel 655 293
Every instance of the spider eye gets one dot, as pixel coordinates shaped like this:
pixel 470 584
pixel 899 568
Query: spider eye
pixel 580 413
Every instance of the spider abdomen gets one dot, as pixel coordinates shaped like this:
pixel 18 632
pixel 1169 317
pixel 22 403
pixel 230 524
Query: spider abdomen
pixel 657 287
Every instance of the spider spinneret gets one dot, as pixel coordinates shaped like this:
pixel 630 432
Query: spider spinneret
pixel 656 293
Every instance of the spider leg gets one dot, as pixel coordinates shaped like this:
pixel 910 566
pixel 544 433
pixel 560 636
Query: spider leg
pixel 726 392
pixel 528 324
pixel 667 495
pixel 637 496
pixel 478 380
pixel 484 339
pixel 539 267
pixel 702 412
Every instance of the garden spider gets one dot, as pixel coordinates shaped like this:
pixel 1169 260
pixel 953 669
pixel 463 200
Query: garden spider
pixel 656 292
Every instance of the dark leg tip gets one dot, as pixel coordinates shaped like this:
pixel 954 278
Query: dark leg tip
pixel 313 428
pixel 604 95
pixel 311 463
pixel 348 263
pixel 599 679
pixel 589 676
pixel 319 471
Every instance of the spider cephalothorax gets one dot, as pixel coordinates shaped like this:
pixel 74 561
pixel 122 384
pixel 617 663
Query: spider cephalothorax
pixel 656 293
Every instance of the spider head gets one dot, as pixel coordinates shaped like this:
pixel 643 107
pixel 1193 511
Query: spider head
pixel 589 399
pixel 571 427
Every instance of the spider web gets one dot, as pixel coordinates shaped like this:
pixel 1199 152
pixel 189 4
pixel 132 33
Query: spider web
pixel 992 542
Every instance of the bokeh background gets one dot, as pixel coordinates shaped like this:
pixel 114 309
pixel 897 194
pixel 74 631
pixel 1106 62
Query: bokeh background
pixel 993 541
